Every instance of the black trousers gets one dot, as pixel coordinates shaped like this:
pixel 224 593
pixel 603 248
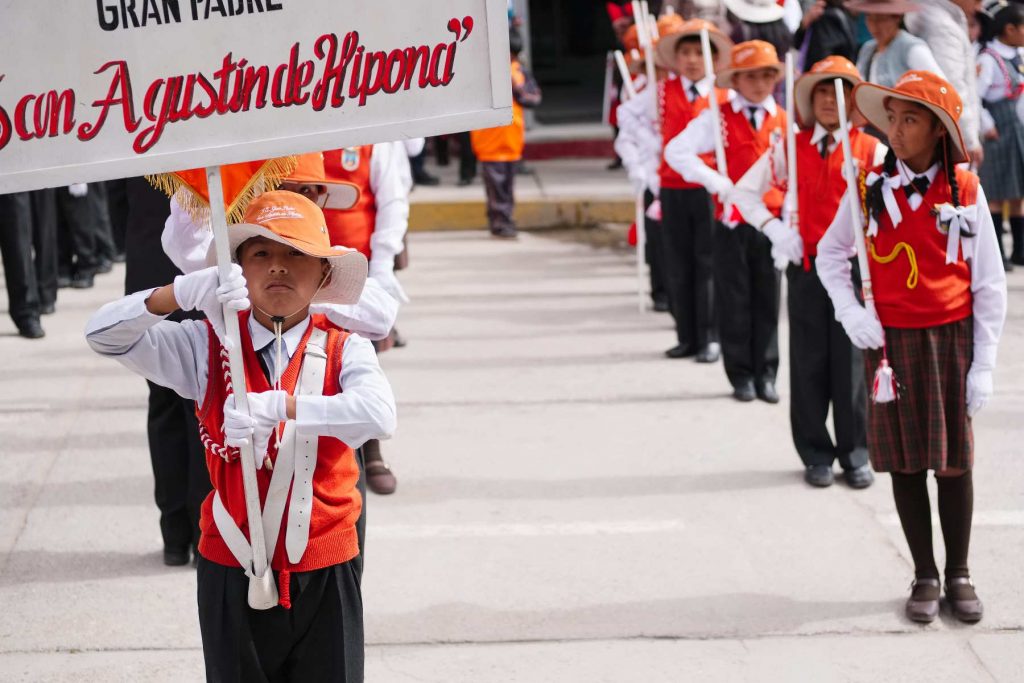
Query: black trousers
pixel 747 296
pixel 653 253
pixel 77 221
pixel 44 240
pixel 499 181
pixel 105 246
pixel 181 480
pixel 16 252
pixel 319 639
pixel 825 369
pixel 688 254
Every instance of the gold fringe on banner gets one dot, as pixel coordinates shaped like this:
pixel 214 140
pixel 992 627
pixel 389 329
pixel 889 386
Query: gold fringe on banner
pixel 269 175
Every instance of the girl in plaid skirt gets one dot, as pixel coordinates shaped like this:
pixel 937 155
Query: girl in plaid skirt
pixel 1001 84
pixel 940 294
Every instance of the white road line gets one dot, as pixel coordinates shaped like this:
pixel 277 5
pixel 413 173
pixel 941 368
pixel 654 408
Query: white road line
pixel 414 531
pixel 983 518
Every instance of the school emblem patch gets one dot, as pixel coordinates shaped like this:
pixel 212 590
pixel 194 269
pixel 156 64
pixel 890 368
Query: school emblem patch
pixel 350 159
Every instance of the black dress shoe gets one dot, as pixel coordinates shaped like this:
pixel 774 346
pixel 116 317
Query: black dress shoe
pixel 426 179
pixel 47 309
pixel 660 306
pixel 681 351
pixel 859 477
pixel 963 600
pixel 397 340
pixel 63 281
pixel 615 165
pixel 31 329
pixel 505 233
pixel 710 353
pixel 923 603
pixel 118 257
pixel 82 282
pixel 744 393
pixel 176 557
pixel 767 393
pixel 819 475
pixel 105 266
pixel 464 182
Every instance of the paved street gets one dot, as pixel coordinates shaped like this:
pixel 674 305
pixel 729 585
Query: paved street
pixel 571 505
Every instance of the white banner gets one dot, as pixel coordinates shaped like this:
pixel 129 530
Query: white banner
pixel 94 90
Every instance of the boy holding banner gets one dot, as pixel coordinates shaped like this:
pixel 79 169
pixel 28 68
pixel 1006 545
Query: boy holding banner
pixel 316 392
pixel 746 282
pixel 934 312
pixel 825 368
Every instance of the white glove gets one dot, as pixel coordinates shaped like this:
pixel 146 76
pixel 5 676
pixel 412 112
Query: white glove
pixel 382 270
pixel 722 187
pixel 638 179
pixel 78 189
pixel 204 291
pixel 979 389
pixel 787 245
pixel 863 328
pixel 267 410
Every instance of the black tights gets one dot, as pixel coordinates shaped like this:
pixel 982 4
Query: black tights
pixel 956 509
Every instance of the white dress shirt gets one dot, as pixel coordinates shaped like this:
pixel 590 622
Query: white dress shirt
pixel 391 194
pixel 991 82
pixel 683 152
pixel 748 195
pixel 176 356
pixel 988 279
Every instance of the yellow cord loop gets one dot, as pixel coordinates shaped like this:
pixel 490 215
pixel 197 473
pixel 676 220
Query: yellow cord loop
pixel 911 256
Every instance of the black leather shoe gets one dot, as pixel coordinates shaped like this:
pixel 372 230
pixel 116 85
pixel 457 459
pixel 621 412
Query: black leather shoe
pixel 176 558
pixel 82 282
pixel 963 600
pixel 681 351
pixel 710 353
pixel 464 182
pixel 744 393
pixel 660 306
pixel 31 329
pixel 505 233
pixel 819 475
pixel 426 180
pixel 63 281
pixel 767 393
pixel 859 477
pixel 47 309
pixel 923 603
pixel 105 266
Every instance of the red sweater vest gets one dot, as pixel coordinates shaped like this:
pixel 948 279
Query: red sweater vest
pixel 353 227
pixel 914 287
pixel 676 113
pixel 820 184
pixel 336 501
pixel 744 146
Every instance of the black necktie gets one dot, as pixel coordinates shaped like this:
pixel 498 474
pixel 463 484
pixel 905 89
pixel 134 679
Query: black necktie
pixel 826 142
pixel 694 93
pixel 919 184
pixel 263 362
pixel 753 117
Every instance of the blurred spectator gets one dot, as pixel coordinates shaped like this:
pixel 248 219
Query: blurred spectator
pixel 826 29
pixel 78 213
pixel 467 160
pixel 44 241
pixel 943 25
pixel 892 51
pixel 19 265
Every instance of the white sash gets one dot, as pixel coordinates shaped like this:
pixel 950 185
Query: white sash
pixel 296 460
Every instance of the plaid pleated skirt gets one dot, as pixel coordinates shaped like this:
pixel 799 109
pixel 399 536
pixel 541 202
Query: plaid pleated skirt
pixel 1002 174
pixel 927 427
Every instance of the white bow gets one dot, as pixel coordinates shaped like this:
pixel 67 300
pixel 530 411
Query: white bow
pixel 891 207
pixel 959 218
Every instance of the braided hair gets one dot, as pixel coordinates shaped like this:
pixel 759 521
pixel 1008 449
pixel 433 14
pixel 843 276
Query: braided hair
pixel 873 198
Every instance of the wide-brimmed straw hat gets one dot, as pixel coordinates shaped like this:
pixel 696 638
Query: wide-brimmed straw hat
pixel 755 11
pixel 920 87
pixel 827 69
pixel 289 218
pixel 310 169
pixel 667 44
pixel 881 6
pixel 750 56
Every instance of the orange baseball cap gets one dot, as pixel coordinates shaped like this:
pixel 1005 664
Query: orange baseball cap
pixel 310 169
pixel 669 42
pixel 827 69
pixel 750 56
pixel 920 87
pixel 289 218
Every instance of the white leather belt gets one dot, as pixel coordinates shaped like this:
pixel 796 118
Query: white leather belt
pixel 293 469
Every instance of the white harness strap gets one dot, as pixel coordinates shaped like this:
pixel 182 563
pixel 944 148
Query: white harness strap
pixel 296 460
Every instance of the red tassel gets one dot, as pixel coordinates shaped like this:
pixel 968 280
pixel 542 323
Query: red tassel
pixel 631 235
pixel 885 388
pixel 284 588
pixel 807 263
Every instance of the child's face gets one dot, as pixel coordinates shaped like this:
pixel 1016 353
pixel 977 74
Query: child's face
pixel 314 193
pixel 824 105
pixel 914 133
pixel 756 85
pixel 1013 35
pixel 280 278
pixel 690 60
pixel 883 27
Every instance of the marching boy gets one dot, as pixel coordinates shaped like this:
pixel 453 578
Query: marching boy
pixel 825 368
pixel 746 282
pixel 315 390
pixel 685 253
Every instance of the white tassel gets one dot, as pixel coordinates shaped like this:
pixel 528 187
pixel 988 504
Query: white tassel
pixel 885 389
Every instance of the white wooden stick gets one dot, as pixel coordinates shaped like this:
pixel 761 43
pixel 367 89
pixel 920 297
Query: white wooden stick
pixel 792 199
pixel 709 70
pixel 853 197
pixel 627 78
